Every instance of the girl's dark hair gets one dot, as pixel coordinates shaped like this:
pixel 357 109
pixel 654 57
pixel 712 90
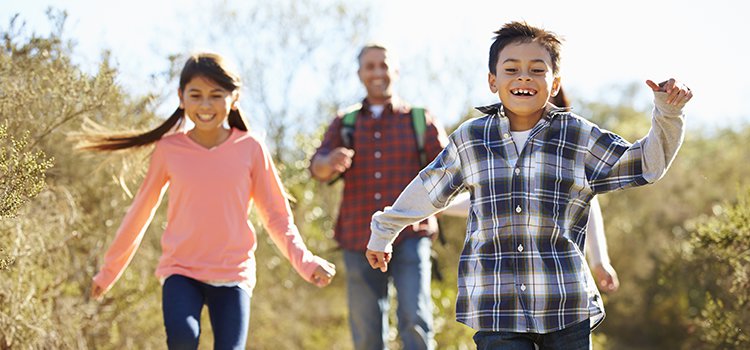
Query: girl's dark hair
pixel 207 65
pixel 560 100
pixel 522 32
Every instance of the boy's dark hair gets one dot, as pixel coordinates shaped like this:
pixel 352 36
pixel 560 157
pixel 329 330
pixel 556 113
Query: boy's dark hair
pixel 521 32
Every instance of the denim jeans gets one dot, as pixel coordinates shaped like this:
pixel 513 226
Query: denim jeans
pixel 228 309
pixel 575 337
pixel 410 271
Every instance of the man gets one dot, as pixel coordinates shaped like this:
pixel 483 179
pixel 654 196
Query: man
pixel 377 160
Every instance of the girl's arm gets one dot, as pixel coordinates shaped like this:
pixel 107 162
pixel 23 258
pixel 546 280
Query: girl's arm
pixel 596 242
pixel 134 225
pixel 274 210
pixel 596 250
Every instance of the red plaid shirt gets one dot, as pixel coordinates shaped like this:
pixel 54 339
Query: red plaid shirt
pixel 385 161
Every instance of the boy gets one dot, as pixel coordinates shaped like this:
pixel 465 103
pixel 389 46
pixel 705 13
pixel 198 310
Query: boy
pixel 531 170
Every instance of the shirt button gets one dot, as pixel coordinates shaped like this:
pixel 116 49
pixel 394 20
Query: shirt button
pixel 377 135
pixel 523 287
pixel 506 135
pixel 518 171
pixel 377 154
pixel 378 196
pixel 378 175
pixel 518 209
pixel 520 247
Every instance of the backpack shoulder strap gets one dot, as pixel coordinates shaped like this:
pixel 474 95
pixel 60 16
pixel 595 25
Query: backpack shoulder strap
pixel 419 124
pixel 347 124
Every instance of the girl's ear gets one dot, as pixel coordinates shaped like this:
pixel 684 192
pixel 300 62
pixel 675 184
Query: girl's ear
pixel 235 100
pixel 179 94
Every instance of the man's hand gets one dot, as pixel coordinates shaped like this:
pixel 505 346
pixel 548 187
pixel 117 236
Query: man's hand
pixel 336 162
pixel 678 94
pixel 378 260
pixel 606 278
pixel 340 159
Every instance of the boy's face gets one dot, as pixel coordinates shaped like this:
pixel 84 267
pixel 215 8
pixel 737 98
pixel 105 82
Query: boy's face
pixel 524 80
pixel 376 71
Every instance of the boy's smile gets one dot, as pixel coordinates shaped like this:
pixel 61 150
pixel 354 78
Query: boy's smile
pixel 524 82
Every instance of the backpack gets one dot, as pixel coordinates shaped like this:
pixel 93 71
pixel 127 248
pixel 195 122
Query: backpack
pixel 418 123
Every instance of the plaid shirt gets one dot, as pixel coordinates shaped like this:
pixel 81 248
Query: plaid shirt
pixel 522 268
pixel 385 161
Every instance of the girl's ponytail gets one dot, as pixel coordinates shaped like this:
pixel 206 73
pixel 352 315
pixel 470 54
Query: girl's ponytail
pixel 236 120
pixel 101 142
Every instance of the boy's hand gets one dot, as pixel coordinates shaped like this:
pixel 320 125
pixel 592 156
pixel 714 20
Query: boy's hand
pixel 606 277
pixel 678 94
pixel 323 274
pixel 378 259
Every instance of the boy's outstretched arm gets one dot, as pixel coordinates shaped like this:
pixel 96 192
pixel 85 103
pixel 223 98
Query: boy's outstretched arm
pixel 412 205
pixel 667 132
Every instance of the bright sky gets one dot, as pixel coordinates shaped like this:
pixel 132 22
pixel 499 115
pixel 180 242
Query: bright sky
pixel 607 43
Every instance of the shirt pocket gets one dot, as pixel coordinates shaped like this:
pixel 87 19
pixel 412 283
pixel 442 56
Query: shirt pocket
pixel 557 178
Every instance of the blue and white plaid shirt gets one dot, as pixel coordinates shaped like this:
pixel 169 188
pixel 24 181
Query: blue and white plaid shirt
pixel 522 268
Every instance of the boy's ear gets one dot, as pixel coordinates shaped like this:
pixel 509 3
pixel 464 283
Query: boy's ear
pixel 555 86
pixel 491 81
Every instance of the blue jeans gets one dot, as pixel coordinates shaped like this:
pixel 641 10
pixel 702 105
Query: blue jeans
pixel 410 270
pixel 228 308
pixel 575 337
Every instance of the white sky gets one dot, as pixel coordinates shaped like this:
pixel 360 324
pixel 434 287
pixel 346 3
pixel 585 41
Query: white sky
pixel 607 43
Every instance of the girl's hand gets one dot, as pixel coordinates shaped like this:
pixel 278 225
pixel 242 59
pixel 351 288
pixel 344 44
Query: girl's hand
pixel 606 277
pixel 323 274
pixel 97 292
pixel 679 94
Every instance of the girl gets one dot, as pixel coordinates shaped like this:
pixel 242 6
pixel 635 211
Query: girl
pixel 215 172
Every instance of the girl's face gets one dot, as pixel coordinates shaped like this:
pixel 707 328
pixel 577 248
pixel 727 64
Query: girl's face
pixel 206 103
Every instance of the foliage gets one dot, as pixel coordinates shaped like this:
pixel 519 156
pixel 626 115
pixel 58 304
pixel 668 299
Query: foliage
pixel 22 172
pixel 680 246
pixel 52 244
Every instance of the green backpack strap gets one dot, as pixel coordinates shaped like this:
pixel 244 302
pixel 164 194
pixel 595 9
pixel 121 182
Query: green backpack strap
pixel 347 125
pixel 347 132
pixel 419 124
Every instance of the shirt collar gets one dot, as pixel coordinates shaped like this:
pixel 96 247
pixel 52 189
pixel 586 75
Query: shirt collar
pixel 497 109
pixel 394 106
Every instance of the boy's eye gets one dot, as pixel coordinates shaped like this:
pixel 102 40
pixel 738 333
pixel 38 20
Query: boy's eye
pixel 511 70
pixel 539 71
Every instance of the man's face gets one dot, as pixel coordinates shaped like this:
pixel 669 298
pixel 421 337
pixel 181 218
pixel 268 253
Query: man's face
pixel 376 71
pixel 524 80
